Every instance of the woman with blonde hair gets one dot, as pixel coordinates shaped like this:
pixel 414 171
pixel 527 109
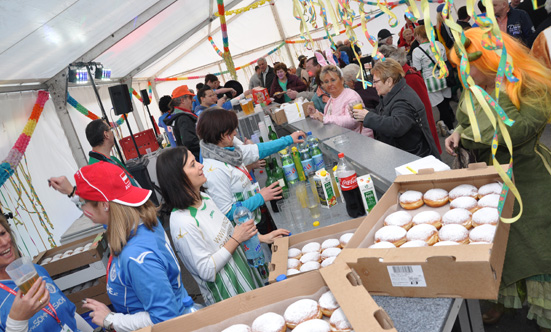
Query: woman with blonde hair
pixel 527 267
pixel 400 119
pixel 338 109
pixel 143 276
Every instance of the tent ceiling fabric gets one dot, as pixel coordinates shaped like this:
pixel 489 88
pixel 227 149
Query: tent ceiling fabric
pixel 60 32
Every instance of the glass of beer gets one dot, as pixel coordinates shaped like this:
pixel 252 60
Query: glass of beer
pixel 23 273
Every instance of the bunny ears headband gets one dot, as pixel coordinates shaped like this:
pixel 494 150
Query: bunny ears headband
pixel 330 60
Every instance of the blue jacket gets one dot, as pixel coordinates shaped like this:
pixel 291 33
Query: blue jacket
pixel 146 277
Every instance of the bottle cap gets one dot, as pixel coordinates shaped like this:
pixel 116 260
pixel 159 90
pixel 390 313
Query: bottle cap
pixel 316 223
pixel 281 277
pixel 294 148
pixel 323 173
pixel 335 168
pixel 341 155
pixel 188 301
pixel 309 133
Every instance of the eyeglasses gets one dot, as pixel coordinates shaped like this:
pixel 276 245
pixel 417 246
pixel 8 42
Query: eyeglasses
pixel 376 81
pixel 80 204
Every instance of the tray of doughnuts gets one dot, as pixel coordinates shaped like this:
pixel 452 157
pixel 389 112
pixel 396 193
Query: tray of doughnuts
pixel 304 303
pixel 443 228
pixel 310 250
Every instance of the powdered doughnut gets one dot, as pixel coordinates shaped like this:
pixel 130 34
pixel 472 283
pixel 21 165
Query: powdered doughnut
pixel 428 217
pixel 328 261
pixel 328 303
pixel 382 245
pixel 238 328
pixel 339 322
pixel 291 272
pixel 458 216
pixel 463 190
pixel 330 243
pixel 400 219
pixel 301 311
pixel 393 234
pixel 423 232
pixel 445 243
pixel 46 261
pixel 330 252
pixel 411 200
pixel 294 253
pixel 467 203
pixel 293 263
pixel 310 266
pixel 490 188
pixel 436 197
pixel 311 247
pixel 455 233
pixel 484 233
pixel 310 257
pixel 314 325
pixel 345 238
pixel 491 200
pixel 485 216
pixel 269 322
pixel 414 244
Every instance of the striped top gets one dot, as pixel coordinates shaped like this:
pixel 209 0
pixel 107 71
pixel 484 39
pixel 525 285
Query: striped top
pixel 436 87
pixel 199 236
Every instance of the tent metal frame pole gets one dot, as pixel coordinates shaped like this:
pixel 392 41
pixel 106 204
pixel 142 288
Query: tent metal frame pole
pixel 177 42
pixel 275 14
pixel 57 86
pixel 179 57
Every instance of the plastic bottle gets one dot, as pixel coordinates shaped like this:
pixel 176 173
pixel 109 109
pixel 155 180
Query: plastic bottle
pixel 335 182
pixel 190 306
pixel 289 168
pixel 349 186
pixel 298 164
pixel 315 152
pixel 306 159
pixel 252 248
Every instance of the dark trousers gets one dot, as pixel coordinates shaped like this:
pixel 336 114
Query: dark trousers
pixel 446 113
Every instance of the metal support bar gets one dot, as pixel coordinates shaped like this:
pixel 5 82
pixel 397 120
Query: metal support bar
pixel 281 31
pixel 57 86
pixel 452 315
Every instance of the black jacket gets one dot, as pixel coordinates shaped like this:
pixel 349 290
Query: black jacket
pixel 270 75
pixel 183 125
pixel 400 120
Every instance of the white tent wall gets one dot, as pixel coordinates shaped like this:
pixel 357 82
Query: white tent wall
pixel 48 154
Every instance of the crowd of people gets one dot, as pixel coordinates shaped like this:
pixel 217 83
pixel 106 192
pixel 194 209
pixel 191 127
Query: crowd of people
pixel 207 172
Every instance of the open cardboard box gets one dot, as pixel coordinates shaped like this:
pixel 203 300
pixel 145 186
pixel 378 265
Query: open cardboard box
pixel 278 116
pixel 94 254
pixel 97 292
pixel 466 271
pixel 358 306
pixel 281 246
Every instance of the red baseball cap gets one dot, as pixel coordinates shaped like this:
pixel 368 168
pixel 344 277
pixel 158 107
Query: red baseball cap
pixel 105 182
pixel 181 91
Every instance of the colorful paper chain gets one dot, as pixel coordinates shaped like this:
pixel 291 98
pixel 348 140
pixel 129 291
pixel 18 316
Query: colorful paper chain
pixel 225 40
pixel 244 9
pixel 89 114
pixel 220 73
pixel 8 166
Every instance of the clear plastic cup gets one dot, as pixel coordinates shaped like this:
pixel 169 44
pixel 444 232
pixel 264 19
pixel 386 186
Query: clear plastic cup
pixel 23 273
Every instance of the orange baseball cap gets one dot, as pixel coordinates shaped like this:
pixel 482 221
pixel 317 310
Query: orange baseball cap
pixel 181 91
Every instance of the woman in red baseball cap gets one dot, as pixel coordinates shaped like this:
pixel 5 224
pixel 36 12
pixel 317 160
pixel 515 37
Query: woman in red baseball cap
pixel 143 276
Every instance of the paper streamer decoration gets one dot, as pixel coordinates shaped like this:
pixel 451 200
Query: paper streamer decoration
pixel 8 165
pixel 150 90
pixel 254 5
pixel 224 29
pixel 89 114
pixel 215 48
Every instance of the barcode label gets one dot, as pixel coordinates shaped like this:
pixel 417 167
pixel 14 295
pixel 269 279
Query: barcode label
pixel 402 269
pixel 406 276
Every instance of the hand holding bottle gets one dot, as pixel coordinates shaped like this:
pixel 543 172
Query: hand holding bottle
pixel 244 231
pixel 271 192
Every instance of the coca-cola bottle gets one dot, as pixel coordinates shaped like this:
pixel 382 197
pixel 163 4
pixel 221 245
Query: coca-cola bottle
pixel 349 187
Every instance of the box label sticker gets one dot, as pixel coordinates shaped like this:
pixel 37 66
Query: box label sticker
pixel 406 276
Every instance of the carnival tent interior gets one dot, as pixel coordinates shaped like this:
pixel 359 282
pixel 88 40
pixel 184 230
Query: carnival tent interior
pixel 141 43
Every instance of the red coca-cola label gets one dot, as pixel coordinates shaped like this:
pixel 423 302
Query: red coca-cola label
pixel 349 183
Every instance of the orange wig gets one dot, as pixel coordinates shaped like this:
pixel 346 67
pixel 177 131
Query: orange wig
pixel 533 86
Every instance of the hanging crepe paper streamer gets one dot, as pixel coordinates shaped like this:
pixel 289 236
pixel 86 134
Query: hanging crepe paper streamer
pixel 244 9
pixel 298 14
pixel 9 164
pixel 220 73
pixel 135 94
pixel 215 48
pixel 150 91
pixel 224 29
pixel 493 43
pixel 89 114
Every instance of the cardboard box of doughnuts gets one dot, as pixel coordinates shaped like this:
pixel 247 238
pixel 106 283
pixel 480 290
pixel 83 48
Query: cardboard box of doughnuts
pixel 470 271
pixel 362 313
pixel 281 246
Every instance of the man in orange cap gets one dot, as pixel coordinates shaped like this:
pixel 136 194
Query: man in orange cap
pixel 183 120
